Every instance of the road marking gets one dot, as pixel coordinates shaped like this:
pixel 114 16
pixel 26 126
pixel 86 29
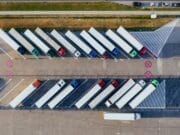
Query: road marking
pixel 43 84
pixel 5 84
pixel 12 89
pixel 6 53
pixel 121 59
pixel 115 60
pixel 22 56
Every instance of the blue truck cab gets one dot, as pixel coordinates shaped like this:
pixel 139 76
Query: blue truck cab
pixel 92 54
pixel 75 83
pixel 116 52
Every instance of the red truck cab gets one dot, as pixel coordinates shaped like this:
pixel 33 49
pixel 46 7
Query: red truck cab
pixel 36 83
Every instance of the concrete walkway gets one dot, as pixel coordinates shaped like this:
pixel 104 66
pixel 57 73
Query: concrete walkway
pixel 90 68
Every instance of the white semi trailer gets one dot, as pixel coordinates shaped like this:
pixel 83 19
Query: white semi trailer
pixel 120 92
pixel 144 94
pixel 104 41
pixel 132 40
pixel 122 116
pixel 99 48
pixel 40 44
pixel 26 44
pixel 89 51
pixel 121 43
pixel 24 94
pixel 100 97
pixel 65 43
pixel 50 41
pixel 130 94
pixel 13 44
pixel 57 87
pixel 65 92
pixel 93 91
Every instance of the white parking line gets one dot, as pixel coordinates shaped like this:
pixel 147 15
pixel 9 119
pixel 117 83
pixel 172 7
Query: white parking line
pixel 43 84
pixel 22 56
pixel 12 89
pixel 6 84
pixel 6 53
pixel 121 59
pixel 41 87
pixel 115 60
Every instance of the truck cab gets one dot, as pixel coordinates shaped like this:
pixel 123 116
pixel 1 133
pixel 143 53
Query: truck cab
pixel 75 83
pixel 115 83
pixel 133 53
pixel 101 83
pixel 35 52
pixel 61 51
pixel 155 83
pixel 37 83
pixel 21 50
pixel 116 52
pixel 92 54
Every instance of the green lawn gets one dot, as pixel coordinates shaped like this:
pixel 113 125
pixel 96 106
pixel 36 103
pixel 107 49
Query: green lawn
pixel 67 6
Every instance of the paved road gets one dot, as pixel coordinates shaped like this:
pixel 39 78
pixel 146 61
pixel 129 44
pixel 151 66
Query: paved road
pixel 80 123
pixel 110 13
pixel 89 68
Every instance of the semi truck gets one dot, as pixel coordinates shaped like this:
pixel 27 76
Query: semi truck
pixel 81 44
pixel 26 44
pixel 13 44
pixel 93 91
pixel 44 48
pixel 50 41
pixel 144 94
pixel 132 40
pixel 121 43
pixel 65 43
pixel 120 92
pixel 104 41
pixel 99 48
pixel 65 92
pixel 100 97
pixel 24 94
pixel 130 94
pixel 121 116
pixel 55 89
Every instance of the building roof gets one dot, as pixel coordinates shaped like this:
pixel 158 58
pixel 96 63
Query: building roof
pixel 156 40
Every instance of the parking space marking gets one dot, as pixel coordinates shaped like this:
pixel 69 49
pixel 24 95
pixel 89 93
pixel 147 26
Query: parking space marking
pixel 6 53
pixel 12 89
pixel 115 60
pixel 121 59
pixel 40 88
pixel 151 55
pixel 50 58
pixel 5 84
pixel 73 103
pixel 43 84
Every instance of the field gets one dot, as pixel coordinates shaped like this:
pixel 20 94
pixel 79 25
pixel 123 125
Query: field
pixel 82 22
pixel 66 6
